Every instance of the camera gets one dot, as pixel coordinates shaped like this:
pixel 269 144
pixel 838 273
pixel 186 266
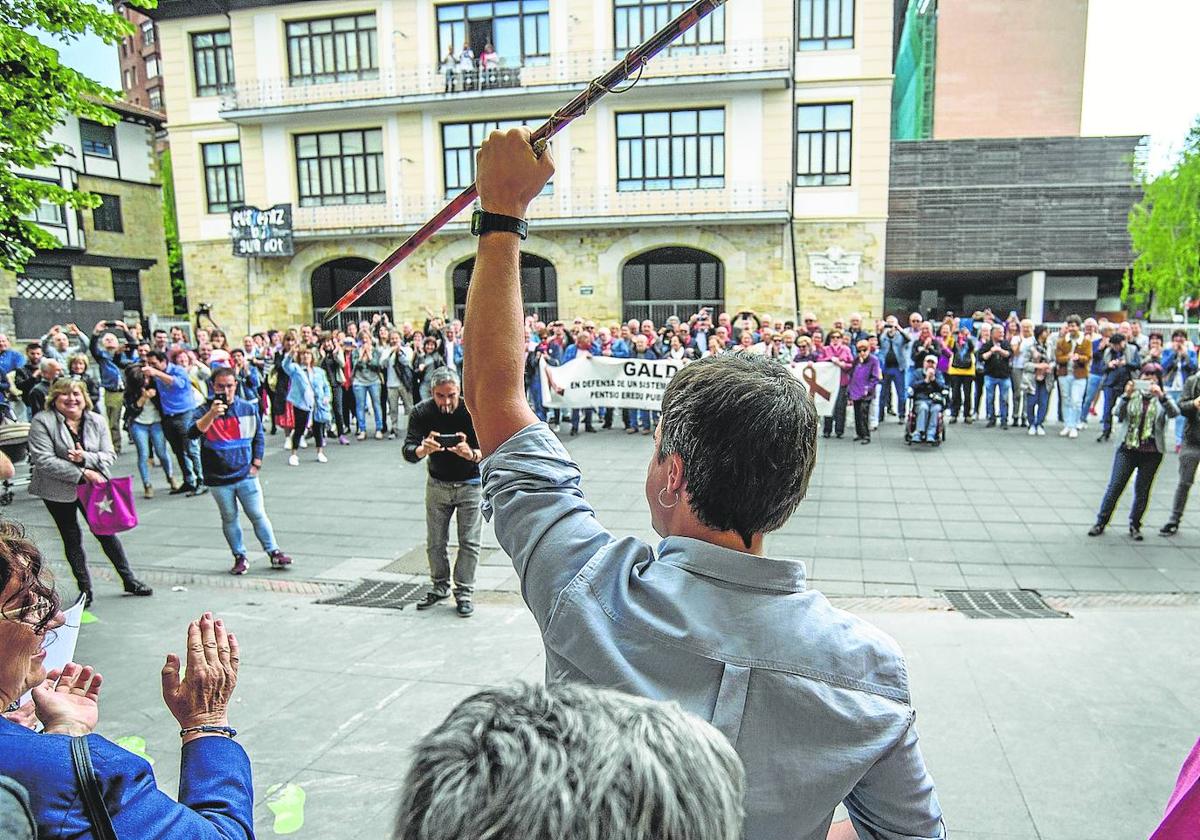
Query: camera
pixel 448 441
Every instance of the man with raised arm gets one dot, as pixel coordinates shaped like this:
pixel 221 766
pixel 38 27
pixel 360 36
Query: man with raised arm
pixel 814 700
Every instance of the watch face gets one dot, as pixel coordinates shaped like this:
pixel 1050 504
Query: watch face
pixel 476 222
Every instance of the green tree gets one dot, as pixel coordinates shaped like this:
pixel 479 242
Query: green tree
pixel 171 228
pixel 1165 230
pixel 35 92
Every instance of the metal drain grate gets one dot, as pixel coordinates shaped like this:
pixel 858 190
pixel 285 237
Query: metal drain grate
pixel 378 593
pixel 411 562
pixel 1001 603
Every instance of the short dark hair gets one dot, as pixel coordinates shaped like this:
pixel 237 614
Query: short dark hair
pixel 1179 334
pixel 159 355
pixel 746 430
pixel 223 371
pixel 159 331
pixel 33 345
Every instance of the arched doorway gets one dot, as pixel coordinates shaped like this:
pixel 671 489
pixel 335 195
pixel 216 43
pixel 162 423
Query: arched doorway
pixel 539 287
pixel 333 279
pixel 672 281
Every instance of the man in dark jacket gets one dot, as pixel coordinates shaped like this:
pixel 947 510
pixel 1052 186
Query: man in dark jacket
pixel 454 487
pixel 1120 361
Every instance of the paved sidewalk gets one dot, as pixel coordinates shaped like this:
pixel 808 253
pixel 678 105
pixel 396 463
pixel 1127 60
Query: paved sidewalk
pixel 990 508
pixel 1054 730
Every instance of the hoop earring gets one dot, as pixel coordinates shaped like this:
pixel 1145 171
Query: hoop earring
pixel 664 504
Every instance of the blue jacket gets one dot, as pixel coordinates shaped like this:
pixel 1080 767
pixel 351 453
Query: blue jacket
pixel 177 396
pixel 309 393
pixel 898 343
pixel 1186 362
pixel 111 365
pixel 216 797
pixel 10 360
pixel 231 444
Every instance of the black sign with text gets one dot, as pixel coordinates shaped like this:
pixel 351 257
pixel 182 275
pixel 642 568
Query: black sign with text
pixel 262 233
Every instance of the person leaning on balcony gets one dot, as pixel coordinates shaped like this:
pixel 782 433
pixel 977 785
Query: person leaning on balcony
pixel 815 700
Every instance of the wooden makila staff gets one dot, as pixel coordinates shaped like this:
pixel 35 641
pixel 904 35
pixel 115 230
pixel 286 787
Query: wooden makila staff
pixel 635 59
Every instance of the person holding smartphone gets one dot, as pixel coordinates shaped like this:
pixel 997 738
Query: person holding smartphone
pixel 441 428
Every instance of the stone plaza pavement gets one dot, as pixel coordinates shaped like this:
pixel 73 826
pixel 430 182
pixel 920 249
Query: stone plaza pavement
pixel 1049 729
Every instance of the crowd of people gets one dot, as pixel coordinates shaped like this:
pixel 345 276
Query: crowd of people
pixel 751 707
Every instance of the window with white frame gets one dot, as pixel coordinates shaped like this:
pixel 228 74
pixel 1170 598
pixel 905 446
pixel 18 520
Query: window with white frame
pixel 148 34
pixel 212 62
pixel 152 71
pixel 823 144
pixel 335 49
pixel 340 167
pixel 671 150
pixel 98 140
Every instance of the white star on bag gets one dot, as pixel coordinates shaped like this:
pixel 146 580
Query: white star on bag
pixel 105 506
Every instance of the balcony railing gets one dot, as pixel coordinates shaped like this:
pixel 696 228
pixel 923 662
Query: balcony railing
pixel 659 311
pixel 564 69
pixel 412 210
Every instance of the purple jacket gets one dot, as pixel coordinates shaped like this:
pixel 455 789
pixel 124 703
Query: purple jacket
pixel 863 378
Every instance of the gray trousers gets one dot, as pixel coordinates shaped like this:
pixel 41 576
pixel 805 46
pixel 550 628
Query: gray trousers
pixel 396 395
pixel 1189 459
pixel 443 498
pixel 1018 399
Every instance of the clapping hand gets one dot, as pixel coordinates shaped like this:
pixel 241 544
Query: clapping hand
pixel 201 696
pixel 68 702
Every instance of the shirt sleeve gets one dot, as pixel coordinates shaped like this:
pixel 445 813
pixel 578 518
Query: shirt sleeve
pixel 895 800
pixel 542 521
pixel 417 431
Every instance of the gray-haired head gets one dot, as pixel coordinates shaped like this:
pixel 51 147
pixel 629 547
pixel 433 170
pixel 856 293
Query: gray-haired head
pixel 746 431
pixel 568 762
pixel 441 376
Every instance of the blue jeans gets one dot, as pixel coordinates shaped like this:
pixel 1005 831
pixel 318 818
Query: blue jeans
pixel 1072 395
pixel 992 385
pixel 1036 405
pixel 587 418
pixel 249 492
pixel 643 418
pixel 1089 395
pixel 927 419
pixel 896 379
pixel 147 435
pixel 361 392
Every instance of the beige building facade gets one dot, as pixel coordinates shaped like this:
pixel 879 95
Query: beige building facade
pixel 746 170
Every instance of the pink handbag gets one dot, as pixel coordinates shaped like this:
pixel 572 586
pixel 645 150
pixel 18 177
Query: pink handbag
pixel 108 507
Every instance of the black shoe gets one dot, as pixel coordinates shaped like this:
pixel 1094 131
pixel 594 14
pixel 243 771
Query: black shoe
pixel 432 598
pixel 1135 533
pixel 828 434
pixel 183 488
pixel 1103 437
pixel 1096 531
pixel 1003 426
pixel 865 441
pixel 574 432
pixel 133 586
pixel 198 490
pixel 953 420
pixel 87 597
pixel 1169 530
pixel 590 429
pixel 991 422
pixel 465 609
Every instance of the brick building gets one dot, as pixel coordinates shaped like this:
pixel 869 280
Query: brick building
pixel 141 62
pixel 747 169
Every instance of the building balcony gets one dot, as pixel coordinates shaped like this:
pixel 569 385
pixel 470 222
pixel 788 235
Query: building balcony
pixel 755 63
pixel 746 203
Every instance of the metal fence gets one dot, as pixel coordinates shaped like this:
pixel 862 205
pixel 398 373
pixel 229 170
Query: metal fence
pixel 659 311
pixel 358 313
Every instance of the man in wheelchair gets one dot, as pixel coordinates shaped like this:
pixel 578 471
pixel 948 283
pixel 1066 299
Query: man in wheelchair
pixel 928 398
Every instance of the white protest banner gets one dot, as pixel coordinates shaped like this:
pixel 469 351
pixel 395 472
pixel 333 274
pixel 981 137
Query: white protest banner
pixel 639 383
pixel 60 647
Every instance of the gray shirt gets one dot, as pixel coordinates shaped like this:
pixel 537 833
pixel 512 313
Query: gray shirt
pixel 814 699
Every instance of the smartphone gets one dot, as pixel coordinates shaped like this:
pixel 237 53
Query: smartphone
pixel 448 441
pixel 1142 386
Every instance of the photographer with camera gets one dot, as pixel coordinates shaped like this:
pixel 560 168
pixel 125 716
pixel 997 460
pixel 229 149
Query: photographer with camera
pixel 231 453
pixel 441 428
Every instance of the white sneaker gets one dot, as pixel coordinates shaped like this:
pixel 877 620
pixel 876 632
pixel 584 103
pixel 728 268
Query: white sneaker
pixel 1066 430
pixel 321 459
pixel 304 443
pixel 379 436
pixel 287 443
pixel 1073 434
pixel 1032 431
pixel 1041 432
pixel 294 460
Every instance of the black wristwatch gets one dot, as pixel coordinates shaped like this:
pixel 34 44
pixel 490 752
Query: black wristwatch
pixel 483 222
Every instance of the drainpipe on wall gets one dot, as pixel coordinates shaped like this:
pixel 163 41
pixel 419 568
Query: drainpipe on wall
pixel 792 179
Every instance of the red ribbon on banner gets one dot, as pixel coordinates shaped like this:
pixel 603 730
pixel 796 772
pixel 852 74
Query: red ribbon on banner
pixel 809 375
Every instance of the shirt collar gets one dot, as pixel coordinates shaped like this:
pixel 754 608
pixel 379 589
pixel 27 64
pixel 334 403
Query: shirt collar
pixel 737 567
